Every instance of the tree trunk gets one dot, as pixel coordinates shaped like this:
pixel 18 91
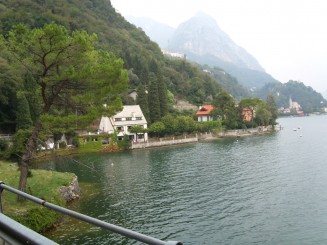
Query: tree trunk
pixel 27 156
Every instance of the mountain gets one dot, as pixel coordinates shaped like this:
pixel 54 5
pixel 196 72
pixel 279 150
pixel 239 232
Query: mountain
pixel 158 32
pixel 142 57
pixel 202 36
pixel 201 39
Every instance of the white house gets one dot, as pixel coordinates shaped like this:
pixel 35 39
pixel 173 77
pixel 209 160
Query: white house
pixel 130 116
pixel 204 113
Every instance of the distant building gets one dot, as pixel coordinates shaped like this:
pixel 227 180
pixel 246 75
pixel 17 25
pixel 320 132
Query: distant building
pixel 122 122
pixel 294 104
pixel 248 114
pixel 204 113
pixel 173 54
pixel 133 94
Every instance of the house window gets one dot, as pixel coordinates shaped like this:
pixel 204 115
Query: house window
pixel 138 118
pixel 128 119
pixel 117 119
pixel 129 128
pixel 120 128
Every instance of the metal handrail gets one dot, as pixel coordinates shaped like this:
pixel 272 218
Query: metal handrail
pixel 117 229
pixel 12 232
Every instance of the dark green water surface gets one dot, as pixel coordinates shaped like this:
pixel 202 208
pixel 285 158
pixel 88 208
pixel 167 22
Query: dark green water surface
pixel 268 189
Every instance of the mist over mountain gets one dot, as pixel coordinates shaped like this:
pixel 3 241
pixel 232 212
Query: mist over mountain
pixel 142 57
pixel 201 35
pixel 158 32
pixel 202 40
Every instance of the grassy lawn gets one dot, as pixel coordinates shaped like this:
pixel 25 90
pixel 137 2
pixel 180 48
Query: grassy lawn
pixel 89 147
pixel 43 184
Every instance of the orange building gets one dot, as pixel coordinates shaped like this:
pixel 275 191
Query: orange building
pixel 247 114
pixel 204 113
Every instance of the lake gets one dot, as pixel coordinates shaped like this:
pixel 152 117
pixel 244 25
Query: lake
pixel 269 189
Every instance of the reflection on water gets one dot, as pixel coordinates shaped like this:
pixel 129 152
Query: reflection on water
pixel 268 189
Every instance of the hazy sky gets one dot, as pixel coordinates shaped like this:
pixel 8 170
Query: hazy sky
pixel 287 37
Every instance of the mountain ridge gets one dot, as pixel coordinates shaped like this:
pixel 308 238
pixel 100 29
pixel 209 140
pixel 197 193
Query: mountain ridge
pixel 159 32
pixel 251 75
pixel 201 35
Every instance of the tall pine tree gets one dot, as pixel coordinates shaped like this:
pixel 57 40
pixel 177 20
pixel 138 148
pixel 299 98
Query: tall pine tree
pixel 33 96
pixel 142 101
pixel 23 115
pixel 163 99
pixel 154 103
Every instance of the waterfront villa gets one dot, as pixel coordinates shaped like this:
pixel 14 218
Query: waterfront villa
pixel 204 113
pixel 122 122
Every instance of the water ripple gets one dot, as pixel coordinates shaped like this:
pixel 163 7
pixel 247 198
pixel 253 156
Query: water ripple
pixel 258 190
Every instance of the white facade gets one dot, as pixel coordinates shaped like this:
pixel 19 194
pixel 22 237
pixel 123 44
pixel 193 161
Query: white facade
pixel 173 54
pixel 130 116
pixel 294 104
pixel 205 118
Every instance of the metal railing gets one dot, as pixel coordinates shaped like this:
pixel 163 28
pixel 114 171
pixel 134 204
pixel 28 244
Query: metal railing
pixel 6 136
pixel 29 235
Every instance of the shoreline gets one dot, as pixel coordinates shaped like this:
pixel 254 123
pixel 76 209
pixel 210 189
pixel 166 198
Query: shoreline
pixel 205 137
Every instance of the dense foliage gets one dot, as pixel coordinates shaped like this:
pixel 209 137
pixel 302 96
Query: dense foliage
pixel 309 99
pixel 141 56
pixel 228 83
pixel 72 78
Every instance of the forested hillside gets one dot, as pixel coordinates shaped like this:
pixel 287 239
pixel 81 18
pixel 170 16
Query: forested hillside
pixel 146 65
pixel 309 99
pixel 150 73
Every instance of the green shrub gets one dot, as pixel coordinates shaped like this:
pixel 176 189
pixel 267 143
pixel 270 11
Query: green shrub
pixel 4 144
pixel 38 219
pixel 62 145
pixel 75 141
pixel 125 143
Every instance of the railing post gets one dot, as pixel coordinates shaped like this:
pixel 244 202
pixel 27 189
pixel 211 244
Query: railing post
pixel 1 190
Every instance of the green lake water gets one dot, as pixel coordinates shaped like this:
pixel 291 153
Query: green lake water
pixel 269 189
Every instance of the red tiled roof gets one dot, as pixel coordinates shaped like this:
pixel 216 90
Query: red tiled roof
pixel 204 110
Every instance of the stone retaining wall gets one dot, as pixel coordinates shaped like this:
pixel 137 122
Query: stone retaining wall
pixel 141 145
pixel 203 136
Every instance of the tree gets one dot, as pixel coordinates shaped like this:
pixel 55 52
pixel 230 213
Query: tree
pixel 70 74
pixel 137 130
pixel 250 103
pixel 163 98
pixel 272 108
pixel 232 118
pixel 185 124
pixel 154 103
pixel 263 116
pixel 223 102
pixel 32 94
pixel 157 128
pixel 142 101
pixel 10 82
pixel 170 123
pixel 23 115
